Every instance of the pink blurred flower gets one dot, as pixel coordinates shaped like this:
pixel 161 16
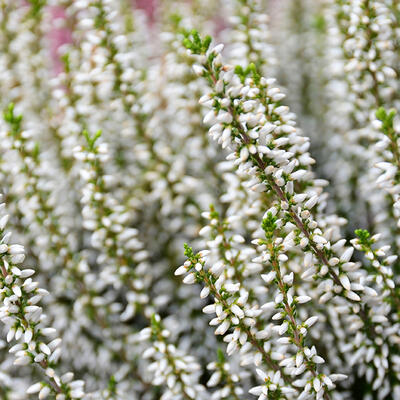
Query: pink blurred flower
pixel 58 36
pixel 147 5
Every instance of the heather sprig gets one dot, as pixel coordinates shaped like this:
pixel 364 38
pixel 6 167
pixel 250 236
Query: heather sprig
pixel 250 36
pixel 170 366
pixel 381 265
pixel 55 243
pixel 120 251
pixel 237 107
pixel 37 342
pixel 271 167
pixel 305 359
pixel 224 379
pixel 388 149
pixel 229 305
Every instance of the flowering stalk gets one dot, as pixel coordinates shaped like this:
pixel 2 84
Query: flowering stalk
pixel 231 309
pixel 250 35
pixel 387 148
pixel 367 47
pixel 223 376
pixel 60 249
pixel 38 207
pixel 24 57
pixel 231 255
pixel 370 75
pixel 240 117
pixel 27 325
pixel 109 223
pixel 171 367
pixel 269 164
pixel 286 303
pixel 381 269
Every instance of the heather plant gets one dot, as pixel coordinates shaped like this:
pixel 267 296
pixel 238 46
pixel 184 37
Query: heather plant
pixel 200 200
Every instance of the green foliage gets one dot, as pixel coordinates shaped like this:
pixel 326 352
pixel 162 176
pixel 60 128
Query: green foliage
pixel 13 120
pixel 112 384
pixel 220 356
pixel 37 6
pixel 196 44
pixel 188 251
pixel 386 118
pixel 155 325
pixel 91 140
pixel 319 23
pixel 363 236
pixel 176 20
pixel 269 225
pixel 214 213
pixel 65 59
pixel 250 70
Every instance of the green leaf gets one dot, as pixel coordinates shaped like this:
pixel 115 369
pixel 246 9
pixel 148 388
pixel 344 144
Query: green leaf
pixel 269 225
pixel 188 251
pixel 381 114
pixel 195 43
pixel 220 356
pixel 363 236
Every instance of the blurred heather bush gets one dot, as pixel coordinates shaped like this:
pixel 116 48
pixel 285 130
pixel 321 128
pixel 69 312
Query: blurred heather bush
pixel 170 229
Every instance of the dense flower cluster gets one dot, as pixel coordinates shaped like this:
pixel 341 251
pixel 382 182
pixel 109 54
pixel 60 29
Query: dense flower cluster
pixel 149 262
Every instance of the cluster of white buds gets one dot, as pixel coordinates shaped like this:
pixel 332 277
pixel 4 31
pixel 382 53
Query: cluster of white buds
pixel 388 147
pixel 285 303
pixel 25 58
pixel 381 264
pixel 232 312
pixel 271 387
pixel 171 367
pixel 37 343
pixel 54 243
pixel 224 378
pixel 120 251
pixel 369 50
pixel 229 253
pixel 366 78
pixel 249 36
